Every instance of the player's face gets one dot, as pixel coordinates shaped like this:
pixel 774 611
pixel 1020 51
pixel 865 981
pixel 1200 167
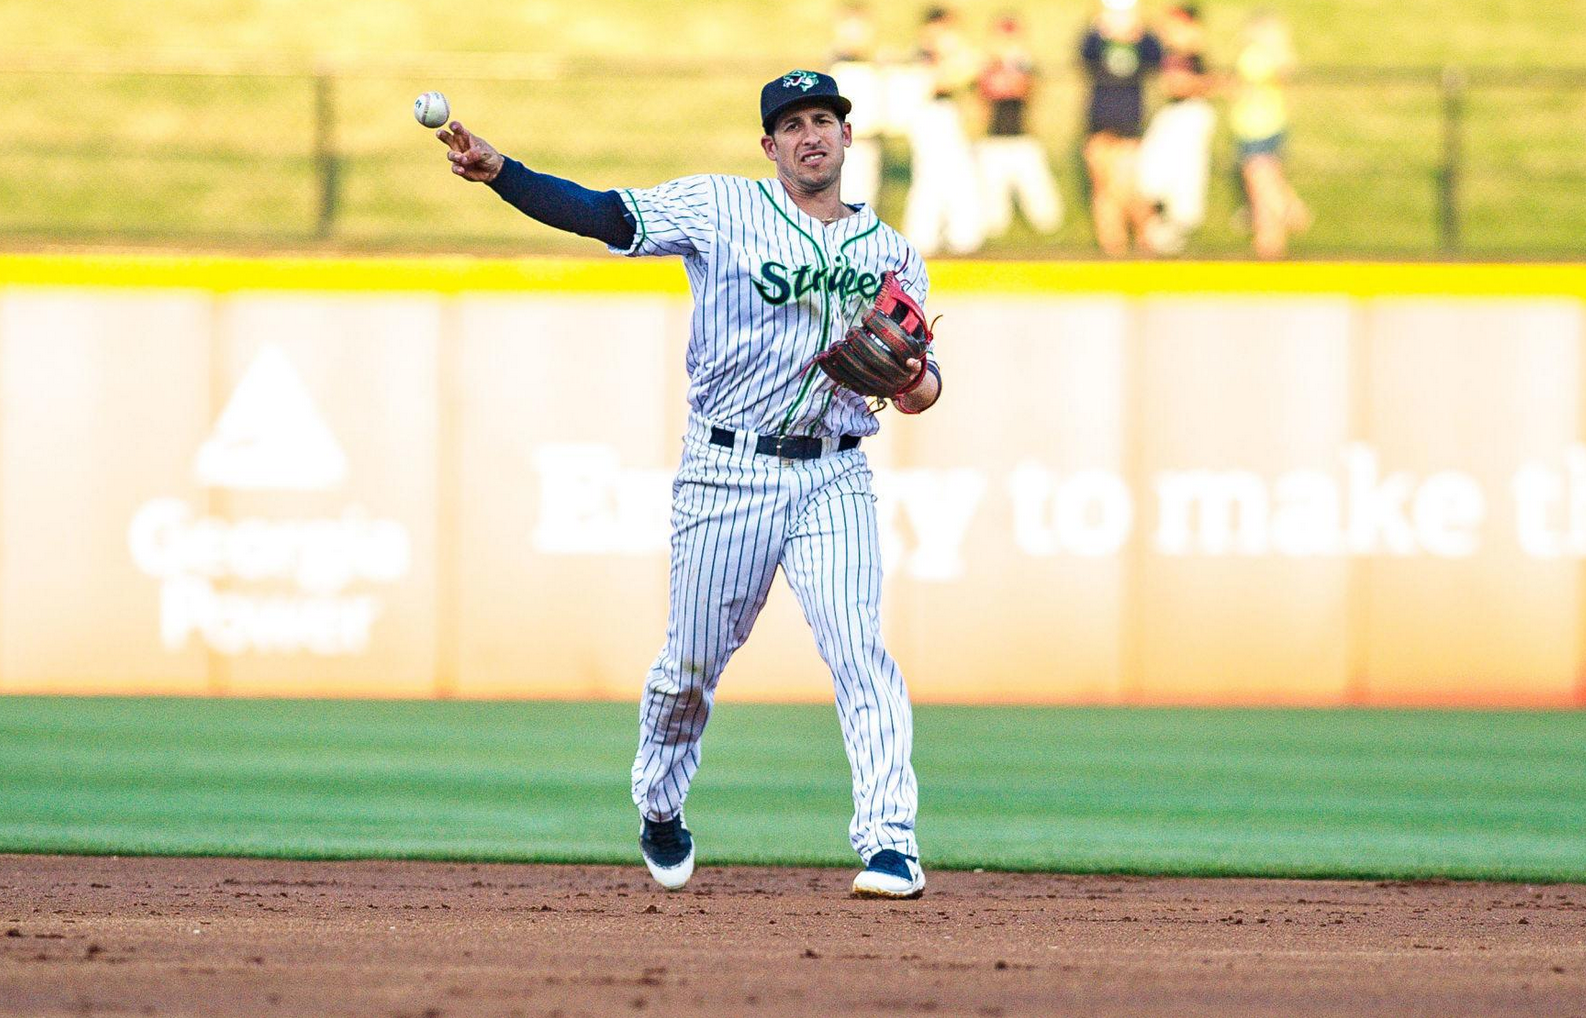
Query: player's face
pixel 807 147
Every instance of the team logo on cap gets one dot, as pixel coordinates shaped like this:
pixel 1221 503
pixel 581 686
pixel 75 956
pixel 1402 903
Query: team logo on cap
pixel 805 80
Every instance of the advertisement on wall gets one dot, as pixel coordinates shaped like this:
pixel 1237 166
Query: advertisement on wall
pixel 1302 499
pixel 256 584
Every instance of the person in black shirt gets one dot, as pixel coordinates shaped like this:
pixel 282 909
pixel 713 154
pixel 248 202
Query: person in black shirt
pixel 1118 53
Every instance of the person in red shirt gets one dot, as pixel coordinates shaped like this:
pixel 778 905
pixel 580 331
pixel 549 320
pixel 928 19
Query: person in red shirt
pixel 1012 162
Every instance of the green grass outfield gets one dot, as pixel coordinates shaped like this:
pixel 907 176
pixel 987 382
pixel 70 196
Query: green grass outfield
pixel 1363 794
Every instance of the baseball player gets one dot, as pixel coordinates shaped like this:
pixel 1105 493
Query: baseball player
pixel 772 474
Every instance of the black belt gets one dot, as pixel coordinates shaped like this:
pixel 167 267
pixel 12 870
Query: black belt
pixel 788 447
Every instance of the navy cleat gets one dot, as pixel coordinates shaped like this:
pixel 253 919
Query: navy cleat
pixel 668 851
pixel 890 874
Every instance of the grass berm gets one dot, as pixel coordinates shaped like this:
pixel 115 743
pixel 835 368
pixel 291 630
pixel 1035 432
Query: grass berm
pixel 237 160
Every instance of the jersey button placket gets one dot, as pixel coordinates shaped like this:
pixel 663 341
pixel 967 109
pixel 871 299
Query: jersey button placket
pixel 833 317
pixel 839 298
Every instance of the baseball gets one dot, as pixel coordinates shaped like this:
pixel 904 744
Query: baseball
pixel 431 109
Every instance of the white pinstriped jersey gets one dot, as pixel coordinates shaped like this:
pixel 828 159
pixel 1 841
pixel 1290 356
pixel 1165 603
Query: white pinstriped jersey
pixel 773 286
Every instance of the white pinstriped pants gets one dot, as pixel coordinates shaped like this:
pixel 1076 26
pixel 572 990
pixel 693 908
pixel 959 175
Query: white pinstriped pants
pixel 736 516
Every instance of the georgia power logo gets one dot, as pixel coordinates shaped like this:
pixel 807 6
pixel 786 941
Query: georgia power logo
pixel 262 585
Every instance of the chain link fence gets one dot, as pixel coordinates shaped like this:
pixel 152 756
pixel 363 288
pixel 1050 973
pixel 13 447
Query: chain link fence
pixel 1471 163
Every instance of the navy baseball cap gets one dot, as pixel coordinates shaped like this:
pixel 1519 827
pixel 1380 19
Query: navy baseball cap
pixel 799 88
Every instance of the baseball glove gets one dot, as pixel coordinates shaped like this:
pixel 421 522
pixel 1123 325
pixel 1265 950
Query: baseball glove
pixel 872 359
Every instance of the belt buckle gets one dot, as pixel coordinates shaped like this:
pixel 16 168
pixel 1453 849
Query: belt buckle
pixel 782 446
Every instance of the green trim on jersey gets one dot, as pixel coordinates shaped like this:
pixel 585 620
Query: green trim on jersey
pixel 842 250
pixel 858 237
pixel 804 391
pixel 633 203
pixel 826 310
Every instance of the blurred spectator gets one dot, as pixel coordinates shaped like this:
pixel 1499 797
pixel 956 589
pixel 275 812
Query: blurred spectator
pixel 1175 155
pixel 854 36
pixel 1118 53
pixel 1011 161
pixel 1259 118
pixel 859 78
pixel 944 198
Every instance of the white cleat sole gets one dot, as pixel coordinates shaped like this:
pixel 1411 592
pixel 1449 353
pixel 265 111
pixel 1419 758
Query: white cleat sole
pixel 672 877
pixel 880 885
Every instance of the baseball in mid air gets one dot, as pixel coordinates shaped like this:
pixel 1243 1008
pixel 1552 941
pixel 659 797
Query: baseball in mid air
pixel 431 109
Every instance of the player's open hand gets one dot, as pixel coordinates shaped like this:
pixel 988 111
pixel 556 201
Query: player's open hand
pixel 472 157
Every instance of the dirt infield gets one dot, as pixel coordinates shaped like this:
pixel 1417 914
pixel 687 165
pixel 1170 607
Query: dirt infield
pixel 83 936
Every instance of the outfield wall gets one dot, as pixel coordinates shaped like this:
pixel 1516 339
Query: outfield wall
pixel 1298 484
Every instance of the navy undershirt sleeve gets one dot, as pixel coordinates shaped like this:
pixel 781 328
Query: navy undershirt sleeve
pixel 565 205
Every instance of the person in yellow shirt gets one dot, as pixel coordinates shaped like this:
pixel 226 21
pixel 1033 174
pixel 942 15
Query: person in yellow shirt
pixel 1259 119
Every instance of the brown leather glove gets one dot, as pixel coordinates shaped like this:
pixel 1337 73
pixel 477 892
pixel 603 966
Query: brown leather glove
pixel 872 359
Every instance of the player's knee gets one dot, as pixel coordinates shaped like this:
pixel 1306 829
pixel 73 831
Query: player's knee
pixel 693 675
pixel 685 679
